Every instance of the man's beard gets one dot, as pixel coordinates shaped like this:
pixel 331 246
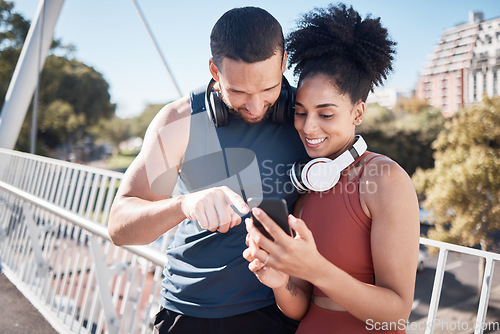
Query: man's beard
pixel 238 114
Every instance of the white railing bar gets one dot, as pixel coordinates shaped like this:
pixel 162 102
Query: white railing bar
pixel 61 201
pixel 61 163
pixel 72 195
pixel 54 183
pixel 460 249
pixel 43 185
pixel 444 248
pixel 16 235
pixel 33 177
pixel 61 186
pixel 39 178
pixel 103 278
pixel 85 195
pixel 109 200
pixel 27 175
pixel 436 291
pixel 485 296
pixel 34 234
pixel 14 169
pixel 93 195
pixel 67 271
pixel 73 277
pixel 100 199
pixel 49 187
pixel 148 253
pixel 85 304
pixel 60 259
pixel 79 289
pixel 9 173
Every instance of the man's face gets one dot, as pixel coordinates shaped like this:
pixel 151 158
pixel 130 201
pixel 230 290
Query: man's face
pixel 250 88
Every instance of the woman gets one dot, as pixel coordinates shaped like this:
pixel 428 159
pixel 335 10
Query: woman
pixel 351 266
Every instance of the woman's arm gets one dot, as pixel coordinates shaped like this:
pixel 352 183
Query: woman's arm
pixel 292 294
pixel 393 207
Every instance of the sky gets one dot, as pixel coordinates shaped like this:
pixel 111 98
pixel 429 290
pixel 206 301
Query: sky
pixel 110 36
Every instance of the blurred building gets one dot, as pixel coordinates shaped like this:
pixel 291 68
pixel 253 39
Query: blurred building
pixel 387 97
pixel 463 66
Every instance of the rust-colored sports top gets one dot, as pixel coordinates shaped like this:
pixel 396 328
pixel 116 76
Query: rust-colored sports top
pixel 341 231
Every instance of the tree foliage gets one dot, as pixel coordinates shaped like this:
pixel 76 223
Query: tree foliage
pixel 13 31
pixel 78 84
pixel 462 191
pixel 140 123
pixel 406 135
pixel 113 130
pixel 73 96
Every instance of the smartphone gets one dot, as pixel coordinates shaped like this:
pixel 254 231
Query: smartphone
pixel 276 209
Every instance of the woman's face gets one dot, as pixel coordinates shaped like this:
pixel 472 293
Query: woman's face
pixel 325 118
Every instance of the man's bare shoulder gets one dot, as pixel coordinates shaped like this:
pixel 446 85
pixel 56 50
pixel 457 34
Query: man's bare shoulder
pixel 172 112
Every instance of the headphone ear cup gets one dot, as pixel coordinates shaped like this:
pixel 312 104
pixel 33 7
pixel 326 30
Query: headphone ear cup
pixel 314 175
pixel 281 109
pixel 220 110
pixel 295 175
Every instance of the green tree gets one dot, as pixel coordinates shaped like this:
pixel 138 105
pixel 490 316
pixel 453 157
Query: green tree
pixel 114 130
pixel 13 31
pixel 463 189
pixel 405 136
pixel 139 124
pixel 75 94
pixel 78 84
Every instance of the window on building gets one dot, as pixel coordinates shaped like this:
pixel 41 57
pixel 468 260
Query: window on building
pixel 495 84
pixel 475 88
pixel 484 84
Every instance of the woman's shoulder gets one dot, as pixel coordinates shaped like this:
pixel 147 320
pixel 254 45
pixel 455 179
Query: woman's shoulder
pixel 382 171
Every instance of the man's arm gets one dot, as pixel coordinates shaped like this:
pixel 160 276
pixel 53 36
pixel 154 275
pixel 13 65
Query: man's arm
pixel 143 208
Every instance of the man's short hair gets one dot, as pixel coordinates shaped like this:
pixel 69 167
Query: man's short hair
pixel 249 34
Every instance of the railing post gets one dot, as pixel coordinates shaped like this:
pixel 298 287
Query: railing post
pixel 34 234
pixel 103 276
pixel 485 296
pixel 436 291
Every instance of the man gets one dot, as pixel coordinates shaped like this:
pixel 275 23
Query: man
pixel 221 145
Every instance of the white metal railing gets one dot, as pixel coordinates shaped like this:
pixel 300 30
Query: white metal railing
pixel 444 249
pixel 55 248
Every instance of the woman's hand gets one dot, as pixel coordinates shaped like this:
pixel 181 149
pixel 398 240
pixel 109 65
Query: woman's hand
pixel 268 276
pixel 295 256
pixel 274 262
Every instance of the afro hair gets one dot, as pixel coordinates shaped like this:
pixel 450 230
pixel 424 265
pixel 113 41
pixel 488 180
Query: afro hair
pixel 355 53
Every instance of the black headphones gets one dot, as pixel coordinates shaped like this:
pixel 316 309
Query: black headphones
pixel 322 174
pixel 218 112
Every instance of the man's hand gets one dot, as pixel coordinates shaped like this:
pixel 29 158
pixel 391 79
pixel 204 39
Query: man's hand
pixel 212 208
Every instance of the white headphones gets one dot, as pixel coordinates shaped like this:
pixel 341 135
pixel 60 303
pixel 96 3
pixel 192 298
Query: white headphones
pixel 322 174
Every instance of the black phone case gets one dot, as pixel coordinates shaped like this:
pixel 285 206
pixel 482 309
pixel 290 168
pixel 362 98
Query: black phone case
pixel 276 209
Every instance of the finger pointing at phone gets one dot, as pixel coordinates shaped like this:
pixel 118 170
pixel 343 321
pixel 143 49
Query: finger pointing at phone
pixel 212 208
